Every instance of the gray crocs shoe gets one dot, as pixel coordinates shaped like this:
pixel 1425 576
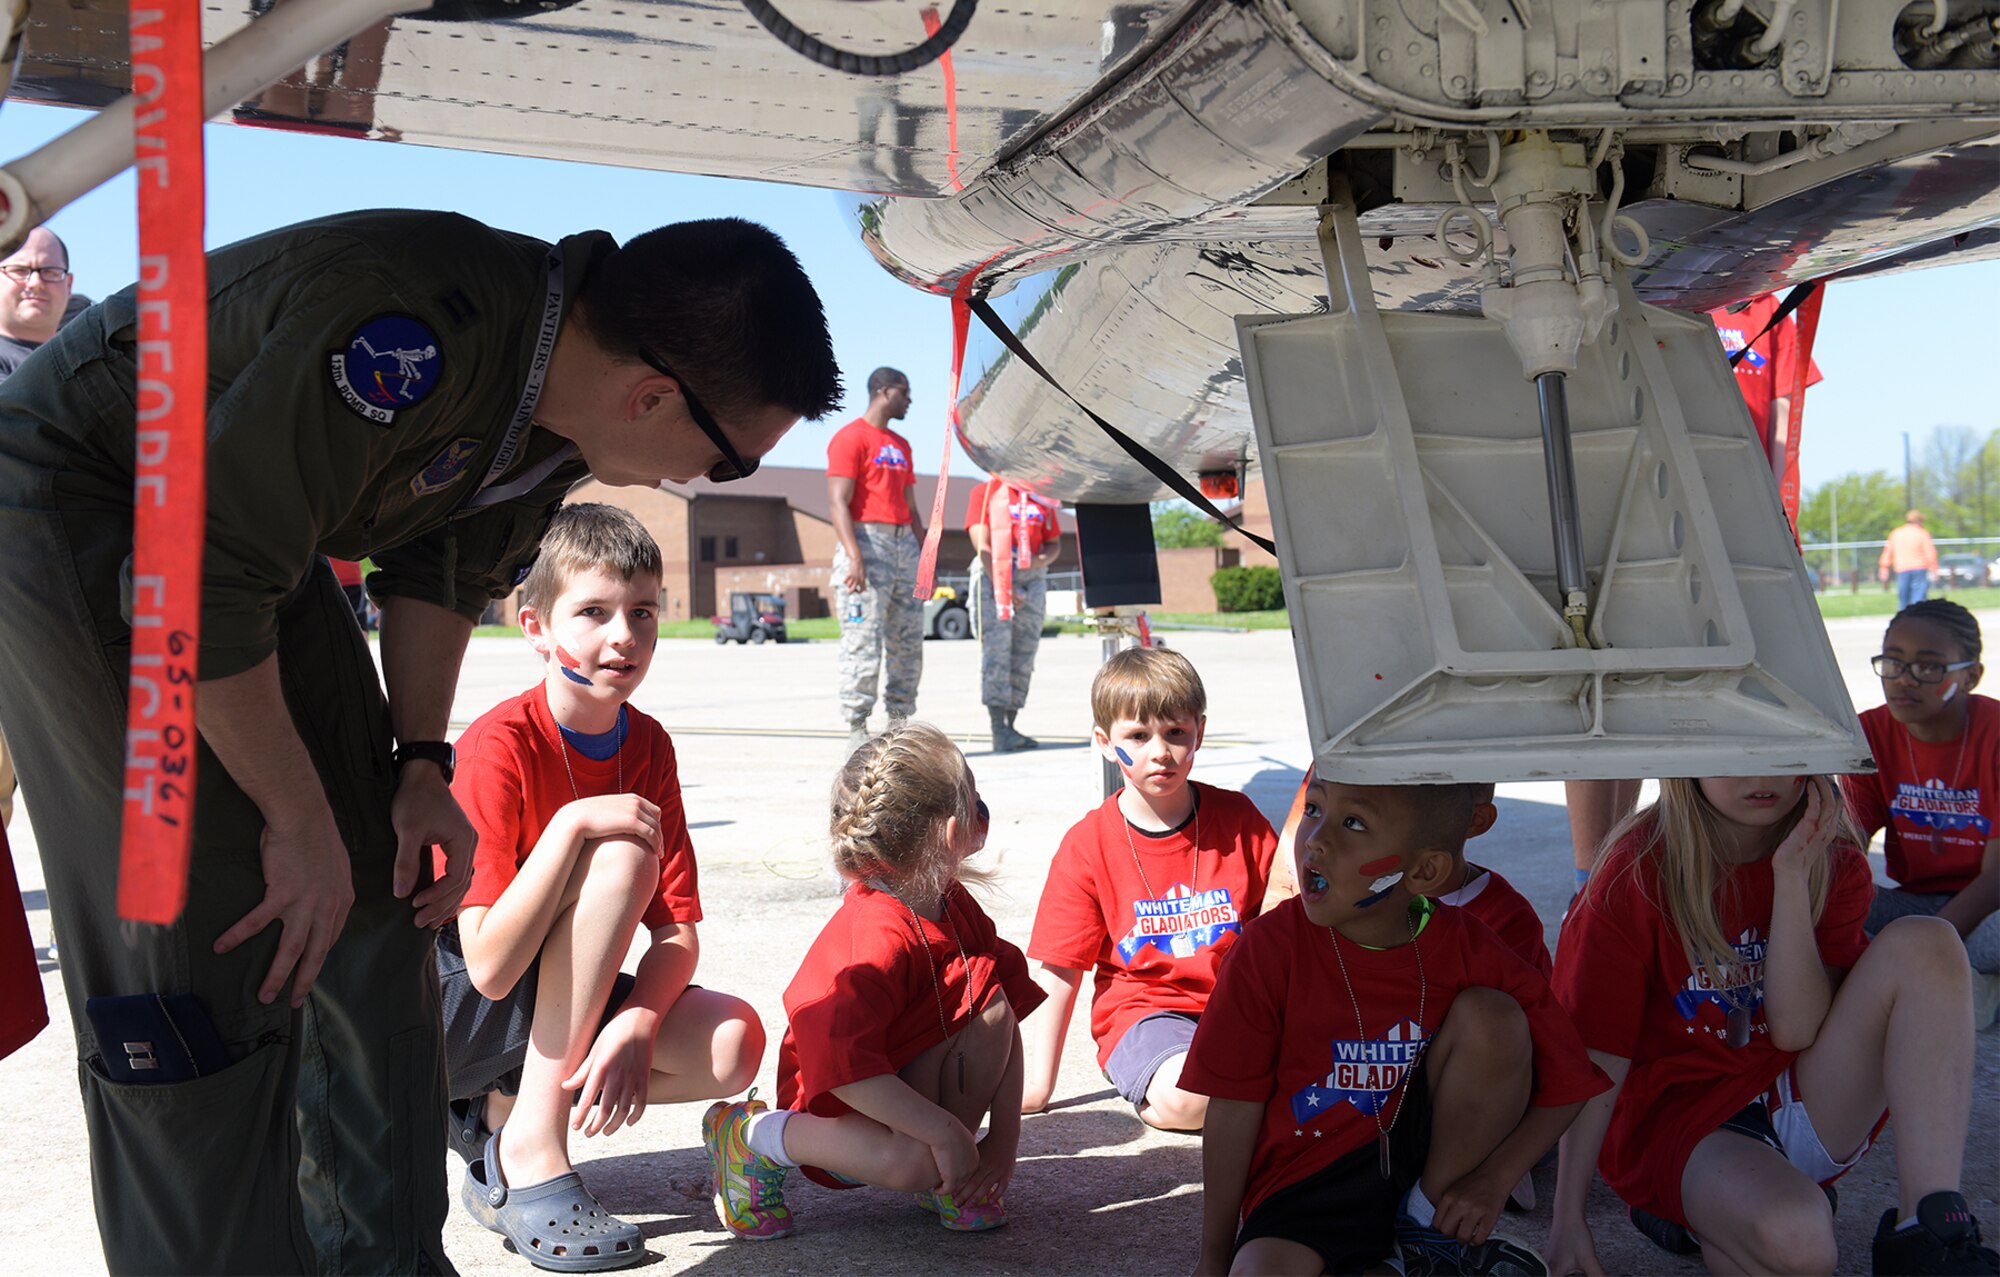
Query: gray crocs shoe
pixel 556 1224
pixel 466 1131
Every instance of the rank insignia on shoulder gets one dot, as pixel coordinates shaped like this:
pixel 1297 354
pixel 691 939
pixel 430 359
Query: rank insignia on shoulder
pixel 446 468
pixel 390 363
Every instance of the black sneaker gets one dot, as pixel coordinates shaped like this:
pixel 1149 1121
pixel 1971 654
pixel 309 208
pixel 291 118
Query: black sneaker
pixel 1424 1251
pixel 1664 1233
pixel 1944 1240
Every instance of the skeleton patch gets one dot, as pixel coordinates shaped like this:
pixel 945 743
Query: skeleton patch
pixel 390 363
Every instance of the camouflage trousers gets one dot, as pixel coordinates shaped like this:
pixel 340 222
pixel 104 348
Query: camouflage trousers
pixel 1007 648
pixel 887 637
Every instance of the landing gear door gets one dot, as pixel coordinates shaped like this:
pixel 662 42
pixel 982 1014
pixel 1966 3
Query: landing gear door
pixel 1404 463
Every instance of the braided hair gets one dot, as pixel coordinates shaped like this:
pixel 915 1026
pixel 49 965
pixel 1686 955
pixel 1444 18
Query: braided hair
pixel 1951 617
pixel 890 804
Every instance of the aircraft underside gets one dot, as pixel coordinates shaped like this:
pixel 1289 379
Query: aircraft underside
pixel 1473 204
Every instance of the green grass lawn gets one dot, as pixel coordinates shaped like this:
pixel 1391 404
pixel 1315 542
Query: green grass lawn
pixel 1871 601
pixel 1875 601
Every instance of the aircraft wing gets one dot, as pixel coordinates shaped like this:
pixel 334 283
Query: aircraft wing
pixel 1126 179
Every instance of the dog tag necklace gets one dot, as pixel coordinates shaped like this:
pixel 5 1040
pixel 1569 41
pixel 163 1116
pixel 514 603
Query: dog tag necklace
pixel 563 747
pixel 1423 988
pixel 937 983
pixel 1736 1025
pixel 1194 873
pixel 1937 830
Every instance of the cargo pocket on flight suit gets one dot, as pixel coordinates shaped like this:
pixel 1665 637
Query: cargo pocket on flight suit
pixel 199 1175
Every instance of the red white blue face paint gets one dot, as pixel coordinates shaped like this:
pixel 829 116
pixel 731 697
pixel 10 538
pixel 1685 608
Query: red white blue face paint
pixel 1123 757
pixel 1380 888
pixel 569 666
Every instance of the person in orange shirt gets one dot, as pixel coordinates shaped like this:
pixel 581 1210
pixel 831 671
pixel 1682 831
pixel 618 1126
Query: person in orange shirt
pixel 1912 556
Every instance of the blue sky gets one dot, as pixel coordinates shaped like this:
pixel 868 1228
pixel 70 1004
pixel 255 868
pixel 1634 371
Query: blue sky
pixel 1903 353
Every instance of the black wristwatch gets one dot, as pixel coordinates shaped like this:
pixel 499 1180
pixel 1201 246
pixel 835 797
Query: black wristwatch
pixel 427 751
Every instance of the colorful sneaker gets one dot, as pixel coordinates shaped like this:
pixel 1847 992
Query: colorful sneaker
pixel 976 1218
pixel 1424 1250
pixel 749 1187
pixel 1945 1240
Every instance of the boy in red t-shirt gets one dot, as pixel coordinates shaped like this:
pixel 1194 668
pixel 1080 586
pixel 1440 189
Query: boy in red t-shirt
pixel 1147 890
pixel 1479 891
pixel 582 838
pixel 1381 1069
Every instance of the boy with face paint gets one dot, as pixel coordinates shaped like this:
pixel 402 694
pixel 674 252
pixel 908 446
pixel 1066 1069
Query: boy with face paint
pixel 1146 892
pixel 582 838
pixel 1381 1070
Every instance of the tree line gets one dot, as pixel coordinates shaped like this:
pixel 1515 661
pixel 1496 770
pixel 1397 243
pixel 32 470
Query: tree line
pixel 1954 479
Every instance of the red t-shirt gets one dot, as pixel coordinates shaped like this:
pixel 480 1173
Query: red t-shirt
pixel 1494 901
pixel 1937 801
pixel 511 782
pixel 879 463
pixel 1766 373
pixel 1033 519
pixel 1089 915
pixel 1622 973
pixel 1280 1032
pixel 864 1002
pixel 23 1012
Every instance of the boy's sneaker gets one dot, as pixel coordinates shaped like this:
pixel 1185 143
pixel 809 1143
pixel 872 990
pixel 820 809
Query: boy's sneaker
pixel 1944 1240
pixel 1425 1250
pixel 749 1187
pixel 1664 1233
pixel 1985 996
pixel 976 1218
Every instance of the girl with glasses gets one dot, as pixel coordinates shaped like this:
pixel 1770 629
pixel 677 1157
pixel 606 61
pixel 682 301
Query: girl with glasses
pixel 1936 789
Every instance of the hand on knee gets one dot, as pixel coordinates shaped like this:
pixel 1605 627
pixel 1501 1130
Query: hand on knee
pixel 619 859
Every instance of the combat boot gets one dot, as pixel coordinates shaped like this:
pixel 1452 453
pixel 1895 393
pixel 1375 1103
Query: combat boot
pixel 1005 739
pixel 857 733
pixel 1026 741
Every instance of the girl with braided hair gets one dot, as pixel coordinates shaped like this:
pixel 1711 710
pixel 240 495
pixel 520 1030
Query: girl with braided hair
pixel 1936 789
pixel 903 1034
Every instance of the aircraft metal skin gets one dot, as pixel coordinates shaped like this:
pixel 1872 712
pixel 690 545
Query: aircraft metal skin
pixel 1124 169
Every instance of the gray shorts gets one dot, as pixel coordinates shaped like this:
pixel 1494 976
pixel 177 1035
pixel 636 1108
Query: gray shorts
pixel 1147 1045
pixel 486 1042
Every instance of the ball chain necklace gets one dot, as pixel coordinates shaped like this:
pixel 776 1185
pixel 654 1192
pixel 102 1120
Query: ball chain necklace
pixel 563 747
pixel 1194 874
pixel 1423 990
pixel 937 983
pixel 1937 831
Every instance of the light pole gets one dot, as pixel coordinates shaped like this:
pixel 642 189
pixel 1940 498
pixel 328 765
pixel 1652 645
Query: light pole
pixel 1909 502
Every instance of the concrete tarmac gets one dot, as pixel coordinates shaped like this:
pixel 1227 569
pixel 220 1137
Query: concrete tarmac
pixel 759 736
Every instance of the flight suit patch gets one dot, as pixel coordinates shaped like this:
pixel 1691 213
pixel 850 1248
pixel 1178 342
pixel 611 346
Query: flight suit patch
pixel 390 363
pixel 445 468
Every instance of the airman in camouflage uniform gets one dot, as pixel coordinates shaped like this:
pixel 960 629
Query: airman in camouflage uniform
pixel 1007 647
pixel 401 385
pixel 872 496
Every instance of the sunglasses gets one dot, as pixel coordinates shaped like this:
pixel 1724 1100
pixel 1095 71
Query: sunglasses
pixel 732 466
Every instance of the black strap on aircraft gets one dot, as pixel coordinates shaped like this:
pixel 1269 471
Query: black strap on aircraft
pixel 853 63
pixel 1137 451
pixel 1791 303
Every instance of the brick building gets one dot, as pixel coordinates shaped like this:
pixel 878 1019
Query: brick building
pixel 770 532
